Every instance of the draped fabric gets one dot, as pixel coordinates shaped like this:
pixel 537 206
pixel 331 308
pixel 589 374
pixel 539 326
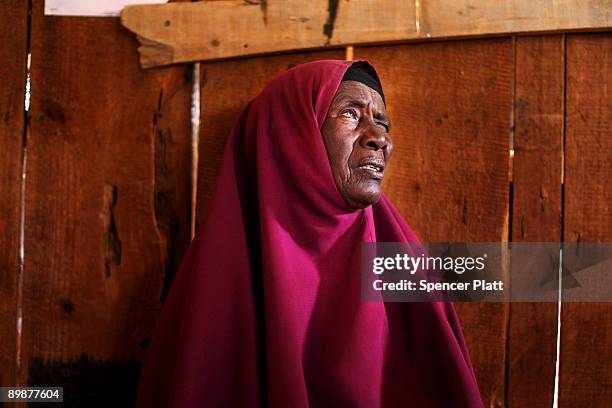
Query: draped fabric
pixel 265 309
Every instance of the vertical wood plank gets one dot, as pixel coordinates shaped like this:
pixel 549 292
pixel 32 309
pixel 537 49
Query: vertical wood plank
pixel 450 104
pixel 13 52
pixel 107 204
pixel 586 328
pixel 538 163
pixel 226 88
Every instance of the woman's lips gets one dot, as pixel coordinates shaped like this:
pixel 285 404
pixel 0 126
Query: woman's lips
pixel 372 173
pixel 374 168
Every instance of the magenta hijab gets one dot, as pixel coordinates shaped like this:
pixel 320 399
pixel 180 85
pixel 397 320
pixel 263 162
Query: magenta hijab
pixel 265 309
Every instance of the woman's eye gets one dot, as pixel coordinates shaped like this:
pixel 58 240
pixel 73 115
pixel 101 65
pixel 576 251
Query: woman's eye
pixel 349 113
pixel 384 126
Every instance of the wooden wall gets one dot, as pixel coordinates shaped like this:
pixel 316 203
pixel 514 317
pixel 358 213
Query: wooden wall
pixel 107 191
pixel 13 53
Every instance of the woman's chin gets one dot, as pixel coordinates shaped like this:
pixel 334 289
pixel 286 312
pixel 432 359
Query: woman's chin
pixel 363 197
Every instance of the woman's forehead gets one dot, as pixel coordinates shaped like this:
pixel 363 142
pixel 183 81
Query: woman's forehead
pixel 361 95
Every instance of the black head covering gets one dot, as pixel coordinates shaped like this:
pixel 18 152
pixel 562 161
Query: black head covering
pixel 360 72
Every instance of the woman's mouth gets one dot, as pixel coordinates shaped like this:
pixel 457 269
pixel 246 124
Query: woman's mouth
pixel 374 168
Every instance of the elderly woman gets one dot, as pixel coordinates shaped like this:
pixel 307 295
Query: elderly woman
pixel 265 309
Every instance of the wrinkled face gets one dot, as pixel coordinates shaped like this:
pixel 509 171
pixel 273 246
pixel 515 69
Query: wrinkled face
pixel 358 144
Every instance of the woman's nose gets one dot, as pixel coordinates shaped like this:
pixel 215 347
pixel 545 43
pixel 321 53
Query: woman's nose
pixel 374 138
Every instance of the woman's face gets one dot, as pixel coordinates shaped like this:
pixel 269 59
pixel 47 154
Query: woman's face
pixel 358 144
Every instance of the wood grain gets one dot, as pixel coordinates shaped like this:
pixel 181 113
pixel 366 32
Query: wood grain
pixel 13 53
pixel 173 33
pixel 187 32
pixel 450 18
pixel 586 328
pixel 107 204
pixel 226 89
pixel 538 163
pixel 450 105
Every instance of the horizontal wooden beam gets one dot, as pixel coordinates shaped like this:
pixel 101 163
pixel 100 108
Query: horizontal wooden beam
pixel 183 32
